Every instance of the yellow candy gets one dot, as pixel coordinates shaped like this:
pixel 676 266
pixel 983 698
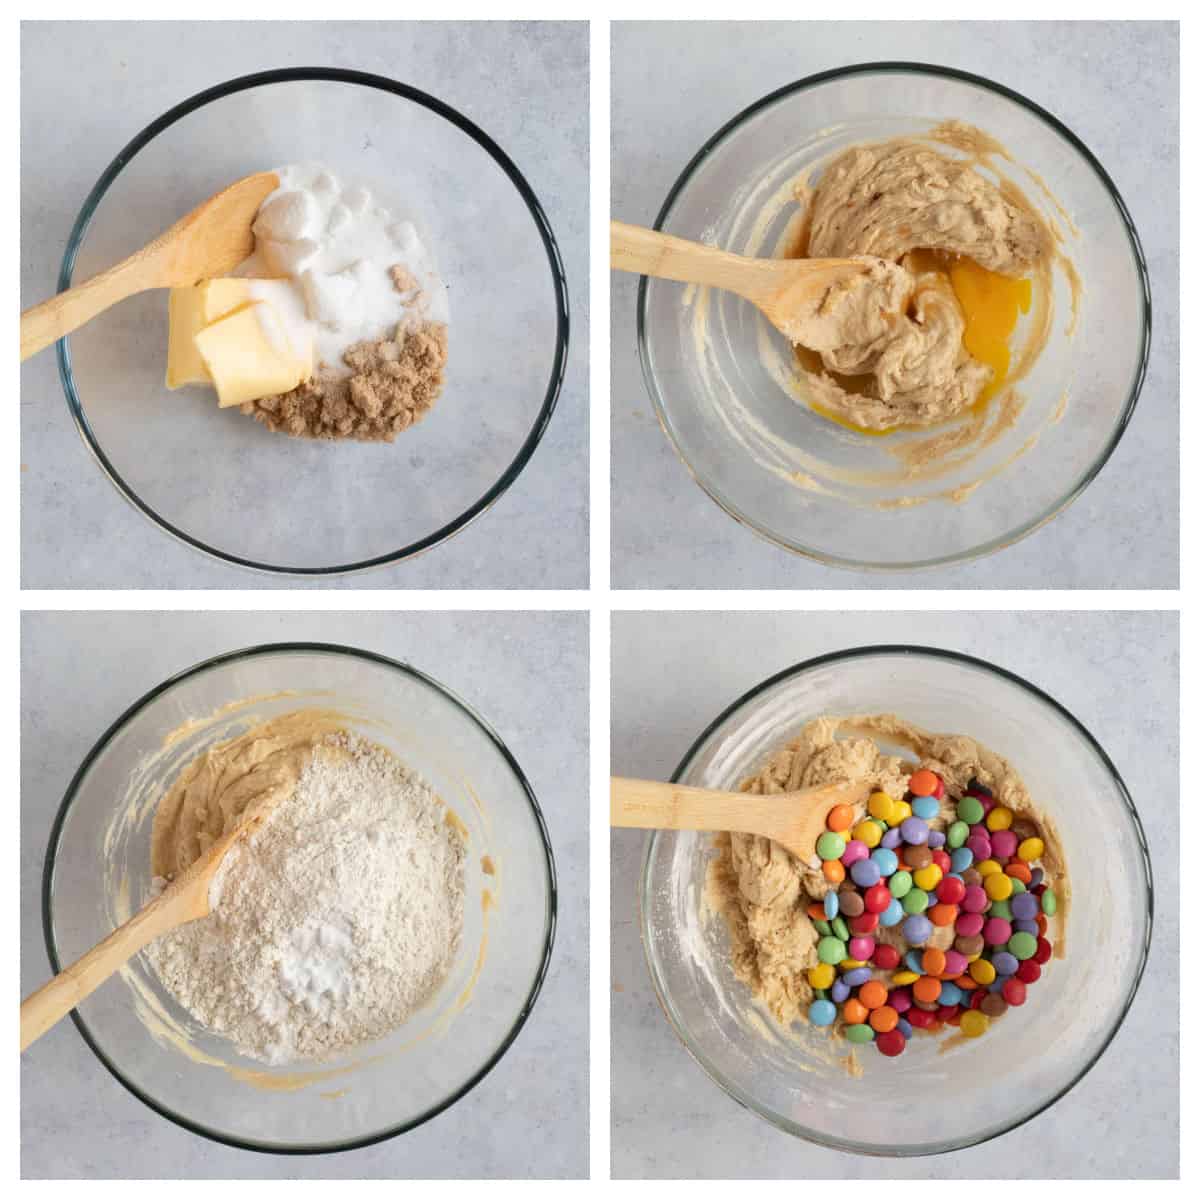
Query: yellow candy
pixel 988 867
pixel 973 1023
pixel 868 833
pixel 880 806
pixel 821 976
pixel 927 878
pixel 982 971
pixel 901 812
pixel 902 977
pixel 1030 849
pixel 998 886
pixel 848 964
pixel 999 818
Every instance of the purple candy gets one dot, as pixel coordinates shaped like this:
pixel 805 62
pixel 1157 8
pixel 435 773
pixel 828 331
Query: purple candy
pixel 905 1028
pixel 979 846
pixel 995 985
pixel 841 989
pixel 918 929
pixel 857 977
pixel 975 900
pixel 914 831
pixel 865 872
pixel 937 839
pixel 1024 906
pixel 854 852
pixel 1026 927
pixel 1004 843
pixel 1005 963
pixel 891 839
pixel 996 931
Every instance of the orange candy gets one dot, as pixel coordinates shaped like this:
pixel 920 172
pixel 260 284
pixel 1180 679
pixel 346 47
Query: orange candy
pixel 841 817
pixel 933 961
pixel 923 783
pixel 834 872
pixel 1019 870
pixel 854 1011
pixel 965 982
pixel 943 914
pixel 817 912
pixel 884 1019
pixel 1042 924
pixel 873 994
pixel 927 989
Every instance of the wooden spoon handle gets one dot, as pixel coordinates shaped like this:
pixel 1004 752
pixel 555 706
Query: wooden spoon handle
pixel 648 252
pixel 45 323
pixel 49 1004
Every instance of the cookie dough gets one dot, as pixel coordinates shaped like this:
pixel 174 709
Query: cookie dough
pixel 763 892
pixel 907 365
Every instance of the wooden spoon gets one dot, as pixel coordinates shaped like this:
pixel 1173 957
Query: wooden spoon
pixel 184 900
pixel 793 819
pixel 786 290
pixel 210 241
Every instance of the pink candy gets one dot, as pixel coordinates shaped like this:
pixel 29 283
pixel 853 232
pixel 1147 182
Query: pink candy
pixel 980 846
pixel 854 852
pixel 996 931
pixel 862 948
pixel 1004 843
pixel 900 999
pixel 956 963
pixel 968 924
pixel 975 900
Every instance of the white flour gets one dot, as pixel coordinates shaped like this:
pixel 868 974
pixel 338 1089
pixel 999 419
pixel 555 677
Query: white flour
pixel 335 922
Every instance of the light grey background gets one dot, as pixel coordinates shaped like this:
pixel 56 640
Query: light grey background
pixel 1117 672
pixel 1116 85
pixel 88 87
pixel 527 674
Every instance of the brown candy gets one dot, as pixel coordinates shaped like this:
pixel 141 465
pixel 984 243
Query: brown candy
pixel 994 1005
pixel 1024 828
pixel 972 878
pixel 851 904
pixel 970 946
pixel 918 856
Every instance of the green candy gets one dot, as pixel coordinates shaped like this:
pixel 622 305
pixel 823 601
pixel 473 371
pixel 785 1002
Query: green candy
pixel 860 1033
pixel 1049 903
pixel 957 834
pixel 915 902
pixel 901 884
pixel 840 928
pixel 1018 886
pixel 831 950
pixel 1000 908
pixel 821 993
pixel 830 846
pixel 1022 946
pixel 823 928
pixel 970 810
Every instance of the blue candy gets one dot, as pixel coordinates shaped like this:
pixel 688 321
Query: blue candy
pixel 912 960
pixel 840 991
pixel 925 807
pixel 995 985
pixel 951 993
pixel 937 839
pixel 822 1012
pixel 892 915
pixel 886 861
pixel 914 831
pixel 1005 963
pixel 961 859
pixel 905 1028
pixel 1025 927
pixel 831 905
pixel 865 872
pixel 891 839
pixel 918 930
pixel 857 976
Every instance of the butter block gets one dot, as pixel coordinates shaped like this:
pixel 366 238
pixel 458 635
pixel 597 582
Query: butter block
pixel 185 312
pixel 248 355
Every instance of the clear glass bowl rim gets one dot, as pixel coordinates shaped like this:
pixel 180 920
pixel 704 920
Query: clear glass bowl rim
pixel 284 648
pixel 406 92
pixel 1076 488
pixel 824 660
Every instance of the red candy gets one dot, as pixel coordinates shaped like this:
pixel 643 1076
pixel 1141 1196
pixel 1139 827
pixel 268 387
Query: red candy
pixel 1043 951
pixel 877 898
pixel 977 997
pixel 1029 971
pixel 1014 992
pixel 918 1018
pixel 890 1043
pixel 943 860
pixel 951 890
pixel 947 1012
pixel 865 923
pixel 886 957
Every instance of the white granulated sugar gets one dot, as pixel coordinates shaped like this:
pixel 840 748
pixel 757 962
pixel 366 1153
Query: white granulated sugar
pixel 335 922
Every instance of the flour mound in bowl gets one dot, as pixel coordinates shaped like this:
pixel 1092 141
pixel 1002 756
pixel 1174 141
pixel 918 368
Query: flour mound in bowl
pixel 338 919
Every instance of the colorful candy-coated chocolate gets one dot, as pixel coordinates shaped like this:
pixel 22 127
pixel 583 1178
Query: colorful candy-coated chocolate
pixel 1043 952
pixel 869 832
pixel 884 1019
pixel 880 806
pixel 831 845
pixel 960 859
pixel 980 846
pixel 891 1043
pixel 831 950
pixel 957 833
pixel 865 873
pixel 1030 849
pixel 862 948
pixel 975 899
pixel 925 807
pixel 892 915
pixel 1029 971
pixel 956 963
pixel 997 931
pixel 886 957
pixel 1024 907
pixel 1025 927
pixel 933 961
pixel 840 818
pixel 855 851
pixel 840 991
pixel 951 993
pixel 937 839
pixel 850 903
pixel 998 818
pixel 885 860
pixel 923 782
pixel 900 998
pixel 951 890
pixel 859 1033
pixel 998 886
pixel 1001 909
pixel 994 1005
pixel 877 897
pixel 905 1028
pixel 912 960
pixel 900 884
pixel 840 929
pixel 970 810
pixel 822 1012
pixel 906 977
pixel 917 929
pixel 1022 946
pixel 1049 903
pixel 943 914
pixel 873 994
pixel 974 1023
pixel 890 839
pixel 857 976
pixel 1014 992
pixel 918 1018
pixel 968 924
pixel 1035 877
pixel 833 871
pixel 1005 963
pixel 914 831
pixel 821 976
pixel 915 901
pixel 927 878
pixel 831 905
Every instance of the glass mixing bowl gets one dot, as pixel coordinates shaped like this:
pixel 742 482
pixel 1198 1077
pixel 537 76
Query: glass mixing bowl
pixel 1028 1058
pixel 721 379
pixel 98 867
pixel 221 482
